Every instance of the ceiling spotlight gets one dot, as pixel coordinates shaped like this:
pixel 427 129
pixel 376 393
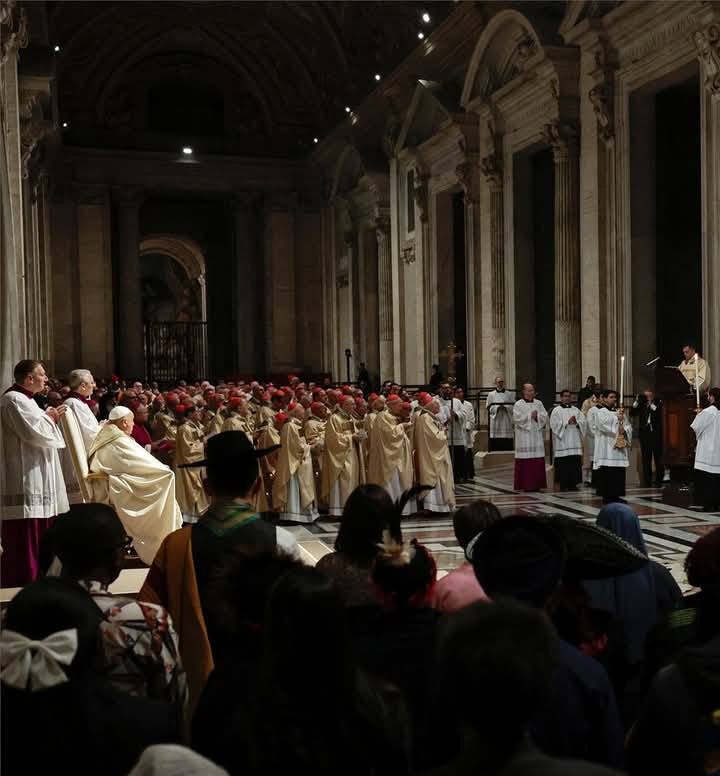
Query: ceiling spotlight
pixel 421 35
pixel 65 125
pixel 187 150
pixel 426 17
pixel 56 48
pixel 377 76
pixel 347 109
pixel 315 140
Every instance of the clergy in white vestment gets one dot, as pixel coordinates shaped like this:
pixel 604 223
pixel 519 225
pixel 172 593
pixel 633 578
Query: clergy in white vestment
pixel 453 420
pixel 391 461
pixel 294 487
pixel 695 369
pixel 140 488
pixel 568 426
pixel 529 420
pixel 611 458
pixel 32 488
pixel 340 465
pixel 432 457
pixel 469 439
pixel 589 408
pixel 707 453
pixel 499 405
pixel 81 384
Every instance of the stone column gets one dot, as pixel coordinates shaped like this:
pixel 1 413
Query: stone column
pixel 130 339
pixel 492 169
pixel 248 287
pixel 563 139
pixel 382 233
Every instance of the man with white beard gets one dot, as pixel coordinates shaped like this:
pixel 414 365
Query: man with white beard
pixel 81 384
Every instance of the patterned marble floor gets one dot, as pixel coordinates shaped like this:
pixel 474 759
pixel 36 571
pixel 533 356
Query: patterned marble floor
pixel 669 530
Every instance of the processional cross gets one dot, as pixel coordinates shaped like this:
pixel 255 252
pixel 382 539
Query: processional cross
pixel 453 355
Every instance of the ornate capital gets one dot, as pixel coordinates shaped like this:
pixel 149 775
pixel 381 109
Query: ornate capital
pixel 601 98
pixel 707 42
pixel 562 138
pixel 14 33
pixel 464 172
pixel 408 254
pixel 33 125
pixel 492 169
pixel 382 229
pixel 420 194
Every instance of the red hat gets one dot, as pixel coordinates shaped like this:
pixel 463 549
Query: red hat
pixel 279 394
pixel 281 418
pixel 423 398
pixel 393 398
pixel 235 401
pixel 359 401
pixel 180 409
pixel 265 396
pixel 292 406
pixel 372 397
pixel 315 406
pixel 406 405
pixel 135 405
pixel 346 389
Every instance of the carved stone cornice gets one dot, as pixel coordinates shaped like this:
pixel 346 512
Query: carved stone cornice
pixel 562 137
pixel 492 168
pixel 707 42
pixel 14 34
pixel 420 195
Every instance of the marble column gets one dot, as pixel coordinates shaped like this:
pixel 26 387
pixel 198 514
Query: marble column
pixel 130 339
pixel 382 233
pixel 563 139
pixel 248 286
pixel 491 167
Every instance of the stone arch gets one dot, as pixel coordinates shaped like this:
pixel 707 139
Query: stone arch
pixel 186 252
pixel 503 51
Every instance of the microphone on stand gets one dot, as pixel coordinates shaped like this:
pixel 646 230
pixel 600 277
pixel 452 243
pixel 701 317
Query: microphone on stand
pixel 654 361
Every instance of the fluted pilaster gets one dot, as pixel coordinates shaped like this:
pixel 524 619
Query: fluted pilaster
pixel 382 232
pixel 563 139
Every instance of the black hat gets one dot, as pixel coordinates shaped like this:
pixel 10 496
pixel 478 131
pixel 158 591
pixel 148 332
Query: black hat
pixel 229 449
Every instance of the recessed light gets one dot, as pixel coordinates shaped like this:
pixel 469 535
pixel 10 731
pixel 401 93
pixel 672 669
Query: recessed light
pixel 426 17
pixel 65 125
pixel 56 48
pixel 347 109
pixel 315 140
pixel 421 35
pixel 187 150
pixel 377 76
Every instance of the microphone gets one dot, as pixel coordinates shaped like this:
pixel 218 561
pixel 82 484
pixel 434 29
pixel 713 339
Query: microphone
pixel 654 361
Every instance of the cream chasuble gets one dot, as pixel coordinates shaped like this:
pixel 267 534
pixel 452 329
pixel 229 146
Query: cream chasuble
pixel 434 466
pixel 687 368
pixel 31 480
pixel 294 486
pixel 340 465
pixel 237 422
pixel 189 489
pixel 391 455
pixel 139 488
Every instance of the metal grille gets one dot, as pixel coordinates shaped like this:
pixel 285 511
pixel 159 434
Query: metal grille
pixel 176 351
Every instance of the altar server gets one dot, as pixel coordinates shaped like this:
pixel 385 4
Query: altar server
pixel 568 426
pixel 529 420
pixel 707 453
pixel 499 404
pixel 613 434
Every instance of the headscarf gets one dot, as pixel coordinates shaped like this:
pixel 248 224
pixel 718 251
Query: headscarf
pixel 631 598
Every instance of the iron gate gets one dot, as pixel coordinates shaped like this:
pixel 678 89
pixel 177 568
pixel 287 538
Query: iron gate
pixel 176 351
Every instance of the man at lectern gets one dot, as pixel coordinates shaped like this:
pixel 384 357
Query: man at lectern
pixel 695 369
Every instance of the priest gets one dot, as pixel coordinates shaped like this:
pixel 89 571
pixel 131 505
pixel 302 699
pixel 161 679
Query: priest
pixel 432 457
pixel 137 485
pixel 391 463
pixel 613 434
pixel 314 431
pixel 189 448
pixel 695 369
pixel 32 488
pixel 707 453
pixel 529 420
pixel 499 408
pixel 82 385
pixel 239 418
pixel 340 465
pixel 294 487
pixel 568 426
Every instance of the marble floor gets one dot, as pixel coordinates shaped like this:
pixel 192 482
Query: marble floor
pixel 669 530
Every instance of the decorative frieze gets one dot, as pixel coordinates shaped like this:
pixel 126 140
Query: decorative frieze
pixel 707 42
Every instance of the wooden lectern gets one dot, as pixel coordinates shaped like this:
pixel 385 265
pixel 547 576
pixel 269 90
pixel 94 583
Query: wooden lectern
pixel 678 414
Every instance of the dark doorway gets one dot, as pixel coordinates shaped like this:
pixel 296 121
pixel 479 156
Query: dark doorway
pixel 678 223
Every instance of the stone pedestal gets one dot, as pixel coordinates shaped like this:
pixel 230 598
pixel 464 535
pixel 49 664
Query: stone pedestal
pixel 131 360
pixel 563 139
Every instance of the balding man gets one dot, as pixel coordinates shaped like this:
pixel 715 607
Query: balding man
pixel 139 487
pixel 81 384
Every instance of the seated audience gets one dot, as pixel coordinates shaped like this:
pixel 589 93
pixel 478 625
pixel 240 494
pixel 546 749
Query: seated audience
pixel 58 714
pixel 138 640
pixel 364 516
pixel 497 663
pixel 272 718
pixel 460 587
pixel 525 559
pixel 184 564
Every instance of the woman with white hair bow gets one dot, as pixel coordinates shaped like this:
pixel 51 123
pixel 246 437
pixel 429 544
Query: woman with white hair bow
pixel 59 714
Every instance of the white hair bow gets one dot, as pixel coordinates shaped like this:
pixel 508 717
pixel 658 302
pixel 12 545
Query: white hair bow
pixel 38 663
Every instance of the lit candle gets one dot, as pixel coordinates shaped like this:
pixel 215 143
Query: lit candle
pixel 622 378
pixel 697 382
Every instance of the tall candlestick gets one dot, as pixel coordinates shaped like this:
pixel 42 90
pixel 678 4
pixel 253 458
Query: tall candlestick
pixel 622 378
pixel 697 382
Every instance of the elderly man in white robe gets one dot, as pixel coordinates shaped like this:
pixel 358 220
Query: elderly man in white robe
pixel 499 404
pixel 81 384
pixel 613 434
pixel 32 488
pixel 707 453
pixel 529 420
pixel 568 426
pixel 138 486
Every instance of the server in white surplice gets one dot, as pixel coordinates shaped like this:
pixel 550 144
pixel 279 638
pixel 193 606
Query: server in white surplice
pixel 568 426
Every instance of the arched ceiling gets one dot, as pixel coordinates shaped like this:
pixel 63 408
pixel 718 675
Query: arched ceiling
pixel 251 78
